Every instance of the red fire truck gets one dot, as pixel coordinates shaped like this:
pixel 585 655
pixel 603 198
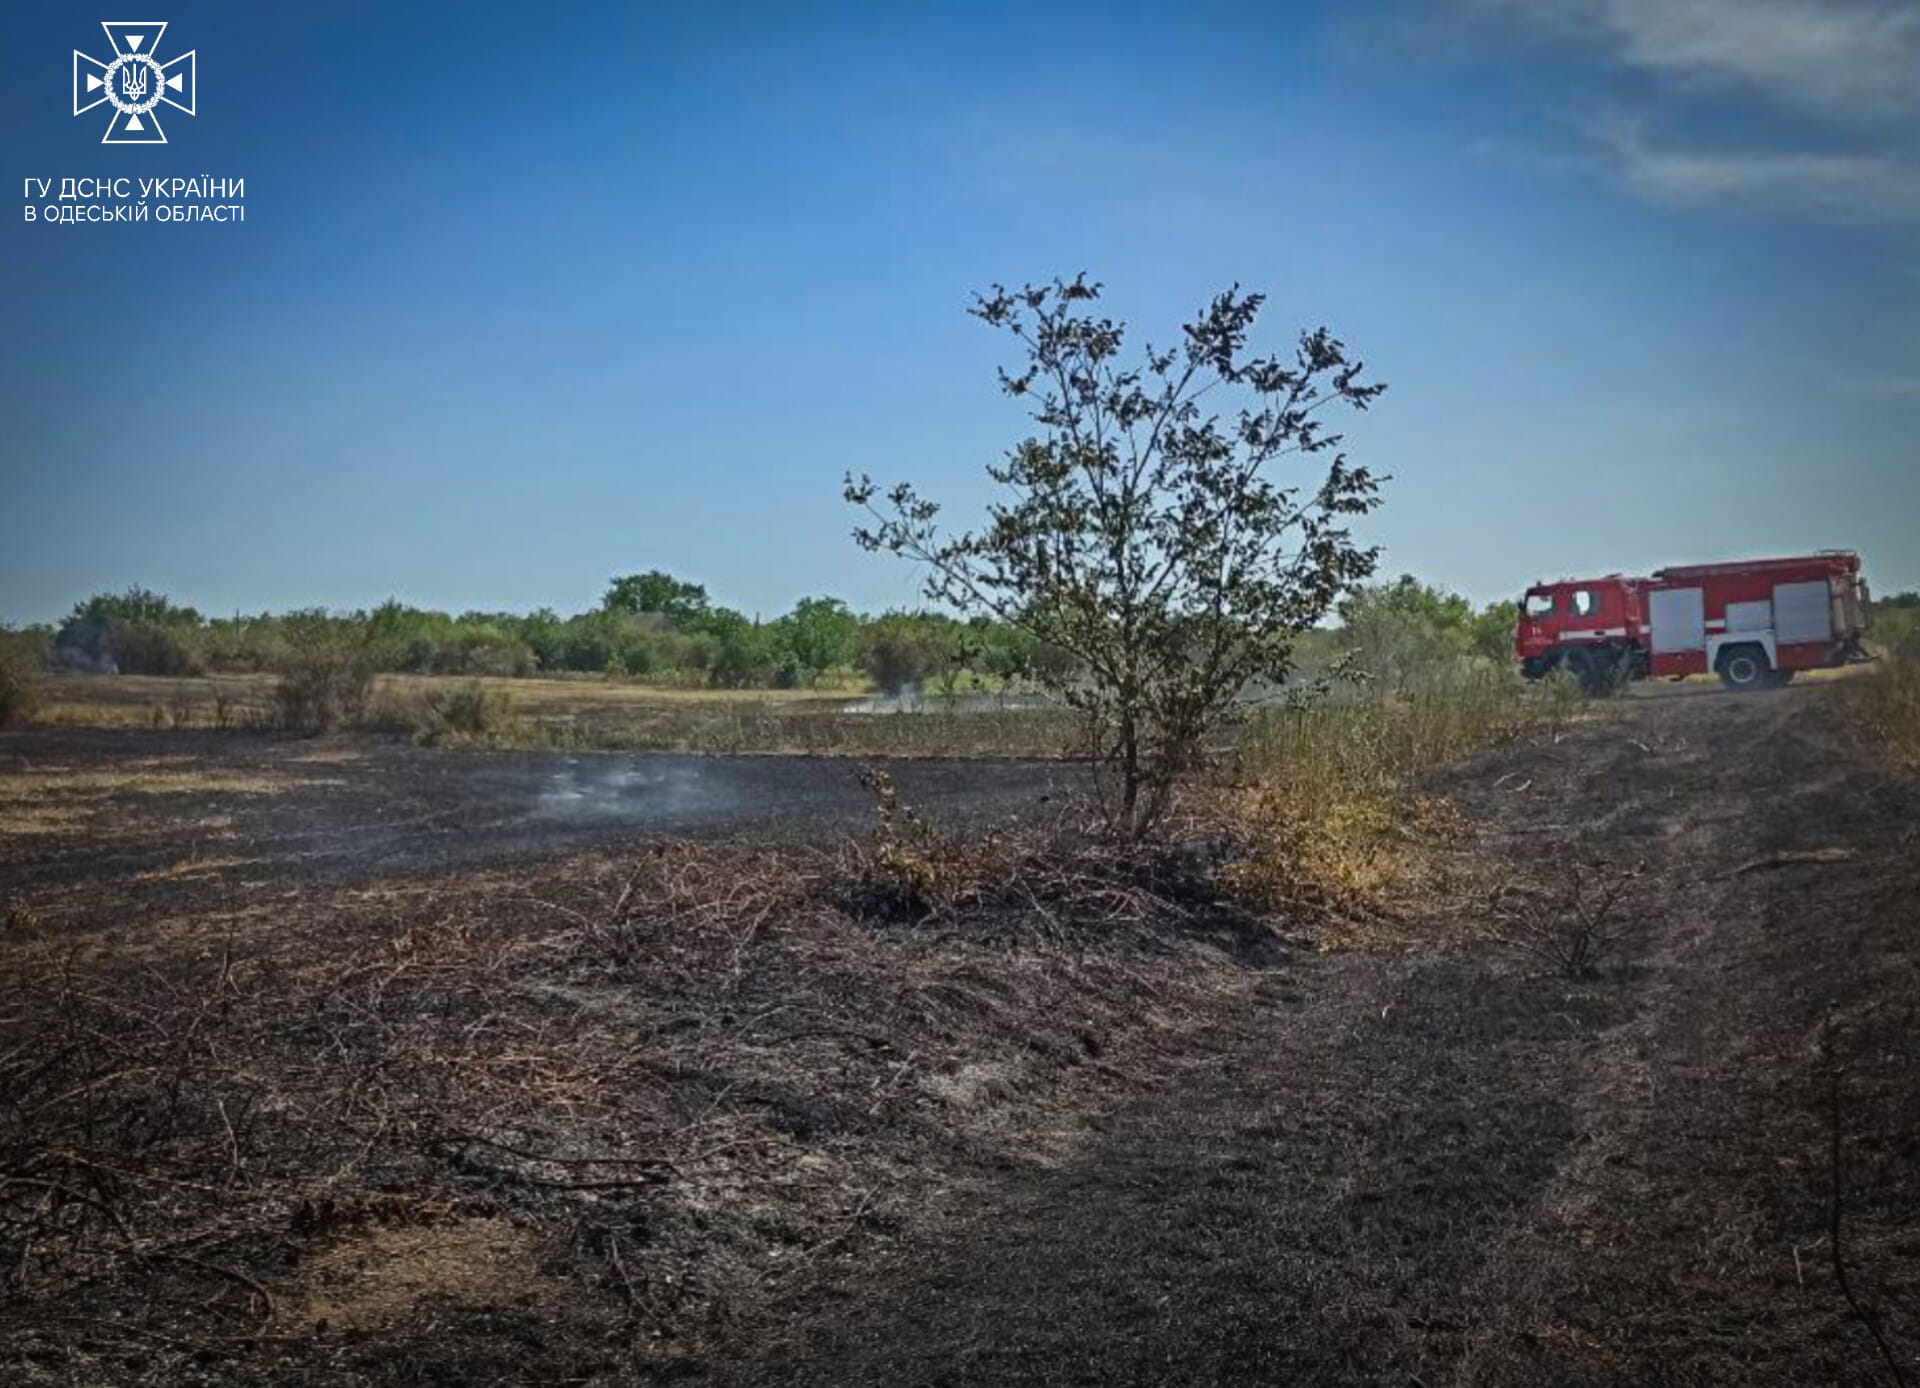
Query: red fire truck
pixel 1754 622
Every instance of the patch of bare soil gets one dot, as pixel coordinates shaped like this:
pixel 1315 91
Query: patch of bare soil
pixel 642 1115
pixel 373 1277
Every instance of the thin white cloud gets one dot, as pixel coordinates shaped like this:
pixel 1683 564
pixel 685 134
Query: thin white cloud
pixel 1844 75
pixel 1858 60
pixel 1865 185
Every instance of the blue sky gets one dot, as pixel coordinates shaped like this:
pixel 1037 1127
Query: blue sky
pixel 528 298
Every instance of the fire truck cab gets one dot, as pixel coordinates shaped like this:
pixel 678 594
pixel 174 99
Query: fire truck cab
pixel 1594 628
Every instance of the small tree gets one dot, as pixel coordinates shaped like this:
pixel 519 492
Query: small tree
pixel 1143 535
pixel 1493 631
pixel 326 676
pixel 818 635
pixel 1406 633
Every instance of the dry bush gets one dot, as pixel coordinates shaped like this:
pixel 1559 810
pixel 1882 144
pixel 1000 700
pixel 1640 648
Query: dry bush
pixel 326 678
pixel 1576 921
pixel 1057 878
pixel 908 869
pixel 19 688
pixel 469 712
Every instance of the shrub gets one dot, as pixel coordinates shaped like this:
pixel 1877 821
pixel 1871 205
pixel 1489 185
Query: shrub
pixel 138 632
pixel 326 678
pixel 144 649
pixel 242 644
pixel 897 651
pixel 21 658
pixel 483 653
pixel 468 710
pixel 741 658
pixel 1896 628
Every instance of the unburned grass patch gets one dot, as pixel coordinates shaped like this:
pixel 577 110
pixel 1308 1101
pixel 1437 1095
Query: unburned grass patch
pixel 34 787
pixel 472 713
pixel 373 1273
pixel 1887 702
pixel 1326 811
pixel 19 686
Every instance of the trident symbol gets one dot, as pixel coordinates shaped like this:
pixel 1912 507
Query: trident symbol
pixel 134 81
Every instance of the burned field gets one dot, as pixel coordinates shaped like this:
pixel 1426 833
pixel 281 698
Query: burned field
pixel 340 1061
pixel 255 811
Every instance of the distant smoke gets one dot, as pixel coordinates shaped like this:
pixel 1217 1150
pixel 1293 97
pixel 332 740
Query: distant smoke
pixel 82 660
pixel 611 789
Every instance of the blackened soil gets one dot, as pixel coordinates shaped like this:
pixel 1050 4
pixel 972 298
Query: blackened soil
pixel 1043 1159
pixel 354 808
pixel 1461 1168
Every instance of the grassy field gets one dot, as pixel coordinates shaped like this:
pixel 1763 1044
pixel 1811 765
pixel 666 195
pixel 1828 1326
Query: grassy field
pixel 588 712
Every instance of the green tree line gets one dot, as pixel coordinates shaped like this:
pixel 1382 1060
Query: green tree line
pixel 1392 635
pixel 647 626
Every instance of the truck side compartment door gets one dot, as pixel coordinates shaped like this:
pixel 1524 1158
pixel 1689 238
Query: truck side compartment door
pixel 1802 612
pixel 1678 617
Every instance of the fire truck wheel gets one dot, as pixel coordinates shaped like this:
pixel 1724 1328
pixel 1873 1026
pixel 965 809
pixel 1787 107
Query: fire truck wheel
pixel 1595 670
pixel 1745 667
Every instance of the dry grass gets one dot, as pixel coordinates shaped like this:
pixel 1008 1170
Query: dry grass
pixel 1327 812
pixel 34 786
pixel 44 800
pixel 1887 701
pixel 194 867
pixel 586 713
pixel 378 1273
pixel 39 819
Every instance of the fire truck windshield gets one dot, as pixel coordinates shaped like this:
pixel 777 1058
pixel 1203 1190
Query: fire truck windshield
pixel 1539 604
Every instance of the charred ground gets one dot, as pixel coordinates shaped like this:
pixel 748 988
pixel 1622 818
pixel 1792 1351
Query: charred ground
pixel 565 1119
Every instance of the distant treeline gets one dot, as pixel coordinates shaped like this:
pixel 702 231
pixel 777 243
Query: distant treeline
pixel 648 625
pixel 653 626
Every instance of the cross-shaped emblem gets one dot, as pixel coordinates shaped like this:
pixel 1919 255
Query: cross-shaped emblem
pixel 134 82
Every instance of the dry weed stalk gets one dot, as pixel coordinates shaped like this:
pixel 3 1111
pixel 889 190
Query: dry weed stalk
pixel 1575 924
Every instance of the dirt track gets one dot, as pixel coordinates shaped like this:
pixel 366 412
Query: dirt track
pixel 1186 1164
pixel 1444 1168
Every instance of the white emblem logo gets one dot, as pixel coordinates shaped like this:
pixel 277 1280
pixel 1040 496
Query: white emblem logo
pixel 135 82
